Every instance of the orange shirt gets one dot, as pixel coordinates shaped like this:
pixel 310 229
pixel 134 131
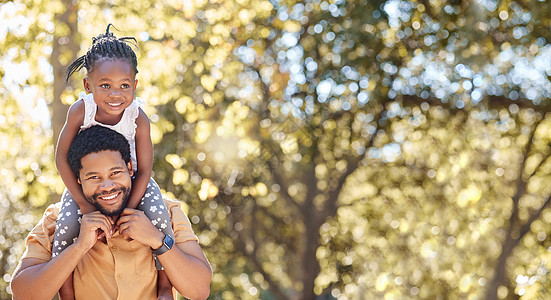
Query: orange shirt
pixel 118 269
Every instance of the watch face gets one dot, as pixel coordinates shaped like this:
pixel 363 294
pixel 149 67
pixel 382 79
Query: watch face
pixel 168 241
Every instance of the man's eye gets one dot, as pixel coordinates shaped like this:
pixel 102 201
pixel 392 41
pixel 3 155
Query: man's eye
pixel 93 177
pixel 105 86
pixel 117 172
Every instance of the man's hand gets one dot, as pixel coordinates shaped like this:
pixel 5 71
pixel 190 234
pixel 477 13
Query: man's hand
pixel 134 224
pixel 90 229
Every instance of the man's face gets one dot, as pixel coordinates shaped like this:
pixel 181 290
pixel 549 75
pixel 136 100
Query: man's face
pixel 106 181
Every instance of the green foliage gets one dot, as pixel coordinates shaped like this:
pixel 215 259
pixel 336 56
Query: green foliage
pixel 28 178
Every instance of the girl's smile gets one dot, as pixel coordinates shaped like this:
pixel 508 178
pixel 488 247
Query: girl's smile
pixel 113 83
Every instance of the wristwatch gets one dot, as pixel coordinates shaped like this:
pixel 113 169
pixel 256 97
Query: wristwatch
pixel 168 242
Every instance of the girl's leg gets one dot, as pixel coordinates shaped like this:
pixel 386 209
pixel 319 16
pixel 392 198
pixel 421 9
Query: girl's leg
pixel 66 232
pixel 154 208
pixel 67 225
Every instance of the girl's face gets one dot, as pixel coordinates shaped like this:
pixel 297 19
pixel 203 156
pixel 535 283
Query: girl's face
pixel 113 83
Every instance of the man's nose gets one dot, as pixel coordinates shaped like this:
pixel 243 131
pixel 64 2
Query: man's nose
pixel 107 184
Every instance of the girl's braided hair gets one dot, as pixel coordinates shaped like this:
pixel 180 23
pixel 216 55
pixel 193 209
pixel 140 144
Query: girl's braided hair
pixel 105 46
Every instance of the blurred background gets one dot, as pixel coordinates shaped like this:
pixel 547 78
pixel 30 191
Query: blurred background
pixel 323 149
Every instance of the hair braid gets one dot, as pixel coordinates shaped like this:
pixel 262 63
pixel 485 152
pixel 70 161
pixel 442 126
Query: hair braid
pixel 105 46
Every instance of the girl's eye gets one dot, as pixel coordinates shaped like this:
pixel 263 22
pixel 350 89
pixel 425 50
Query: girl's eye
pixel 125 86
pixel 105 86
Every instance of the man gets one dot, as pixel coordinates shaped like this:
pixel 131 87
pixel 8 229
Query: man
pixel 112 256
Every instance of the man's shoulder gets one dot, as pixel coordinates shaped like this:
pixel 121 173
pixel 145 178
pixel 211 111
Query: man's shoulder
pixel 46 225
pixel 39 240
pixel 180 222
pixel 51 212
pixel 171 203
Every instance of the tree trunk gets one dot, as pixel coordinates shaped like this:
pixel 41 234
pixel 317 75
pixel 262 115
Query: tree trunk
pixel 310 265
pixel 62 44
pixel 500 271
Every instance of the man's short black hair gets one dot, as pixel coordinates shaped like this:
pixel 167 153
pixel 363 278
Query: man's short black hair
pixel 95 139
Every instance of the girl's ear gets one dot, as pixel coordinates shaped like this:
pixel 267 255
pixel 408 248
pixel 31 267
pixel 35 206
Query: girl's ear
pixel 135 83
pixel 86 83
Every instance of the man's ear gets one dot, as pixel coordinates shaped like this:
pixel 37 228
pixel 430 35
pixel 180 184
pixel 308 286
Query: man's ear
pixel 86 84
pixel 78 180
pixel 130 169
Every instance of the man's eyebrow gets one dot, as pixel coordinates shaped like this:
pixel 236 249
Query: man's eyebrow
pixel 115 168
pixel 90 173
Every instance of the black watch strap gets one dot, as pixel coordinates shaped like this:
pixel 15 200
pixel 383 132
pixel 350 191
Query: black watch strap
pixel 168 242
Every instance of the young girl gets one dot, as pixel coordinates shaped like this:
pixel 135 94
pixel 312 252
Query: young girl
pixel 111 66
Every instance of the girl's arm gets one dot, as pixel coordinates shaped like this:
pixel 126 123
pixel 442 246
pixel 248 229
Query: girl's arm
pixel 144 157
pixel 75 118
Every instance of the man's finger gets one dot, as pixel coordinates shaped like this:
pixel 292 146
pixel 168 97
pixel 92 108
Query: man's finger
pixel 128 217
pixel 129 211
pixel 97 216
pixel 124 233
pixel 123 227
pixel 106 228
pixel 99 223
pixel 123 220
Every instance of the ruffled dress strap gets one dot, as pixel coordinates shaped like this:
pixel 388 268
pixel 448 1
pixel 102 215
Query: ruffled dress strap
pixel 128 122
pixel 90 109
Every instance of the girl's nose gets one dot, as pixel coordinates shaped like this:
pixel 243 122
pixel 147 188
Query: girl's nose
pixel 115 93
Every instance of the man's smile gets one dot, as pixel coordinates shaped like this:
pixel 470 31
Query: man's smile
pixel 110 199
pixel 111 203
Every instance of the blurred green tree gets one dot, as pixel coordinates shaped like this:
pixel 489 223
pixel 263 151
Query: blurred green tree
pixel 29 178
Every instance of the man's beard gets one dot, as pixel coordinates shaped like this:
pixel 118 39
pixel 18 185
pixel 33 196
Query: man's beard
pixel 117 211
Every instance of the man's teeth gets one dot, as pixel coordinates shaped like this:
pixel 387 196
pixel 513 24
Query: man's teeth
pixel 110 197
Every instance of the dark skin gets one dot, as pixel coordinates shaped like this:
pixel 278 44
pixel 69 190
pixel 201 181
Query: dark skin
pixel 113 83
